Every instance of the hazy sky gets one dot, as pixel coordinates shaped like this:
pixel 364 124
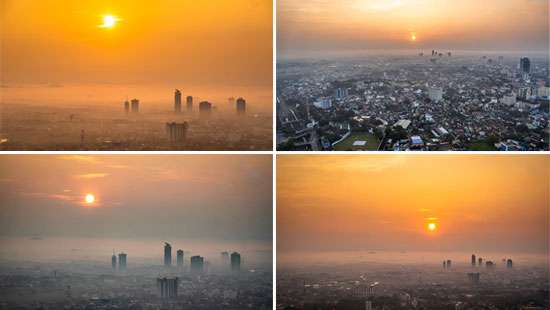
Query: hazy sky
pixel 197 197
pixel 325 25
pixel 212 43
pixel 385 202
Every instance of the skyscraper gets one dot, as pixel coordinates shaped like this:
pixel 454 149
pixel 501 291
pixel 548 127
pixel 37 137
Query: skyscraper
pixel 126 106
pixel 448 263
pixel 177 101
pixel 205 107
pixel 241 106
pixel 235 261
pixel 509 263
pixel 473 260
pixel 525 65
pixel 113 261
pixel 167 254
pixel 135 105
pixel 179 258
pixel 168 288
pixel 225 258
pixel 479 261
pixel 122 261
pixel 176 132
pixel 197 264
pixel 189 103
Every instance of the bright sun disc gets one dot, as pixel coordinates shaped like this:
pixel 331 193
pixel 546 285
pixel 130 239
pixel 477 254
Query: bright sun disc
pixel 89 198
pixel 432 226
pixel 109 21
pixel 413 37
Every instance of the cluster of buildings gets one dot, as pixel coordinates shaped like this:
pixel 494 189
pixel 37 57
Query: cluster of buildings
pixel 413 103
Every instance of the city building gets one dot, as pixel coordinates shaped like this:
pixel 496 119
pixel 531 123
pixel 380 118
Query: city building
pixel 368 305
pixel 509 263
pixel 509 100
pixel 341 93
pixel 176 132
pixel 235 261
pixel 167 288
pixel 177 101
pixel 241 106
pixel 113 261
pixel 473 260
pixel 126 106
pixel 179 258
pixel 122 261
pixel 323 103
pixel 135 105
pixel 225 257
pixel 189 103
pixel 473 277
pixel 205 107
pixel 480 262
pixel 167 254
pixel 197 264
pixel 525 65
pixel 448 263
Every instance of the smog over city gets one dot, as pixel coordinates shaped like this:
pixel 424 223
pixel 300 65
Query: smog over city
pixel 412 232
pixel 424 75
pixel 136 231
pixel 200 74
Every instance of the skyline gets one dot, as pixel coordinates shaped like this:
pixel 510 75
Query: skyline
pixel 386 202
pixel 320 27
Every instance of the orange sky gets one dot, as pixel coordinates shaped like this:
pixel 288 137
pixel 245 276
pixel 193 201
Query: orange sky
pixel 208 43
pixel 479 202
pixel 319 25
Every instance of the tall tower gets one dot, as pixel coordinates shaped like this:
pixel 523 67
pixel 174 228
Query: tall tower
pixel 235 261
pixel 177 101
pixel 127 106
pixel 113 260
pixel 167 254
pixel 122 261
pixel 525 65
pixel 135 105
pixel 179 258
pixel 241 106
pixel 189 103
pixel 197 264
pixel 473 260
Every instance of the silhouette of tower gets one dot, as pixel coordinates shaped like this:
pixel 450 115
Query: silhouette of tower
pixel 135 105
pixel 189 103
pixel 179 258
pixel 122 261
pixel 473 260
pixel 241 106
pixel 113 260
pixel 197 264
pixel 167 254
pixel 177 101
pixel 235 261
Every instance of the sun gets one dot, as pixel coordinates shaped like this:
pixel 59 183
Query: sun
pixel 90 198
pixel 432 226
pixel 413 37
pixel 109 21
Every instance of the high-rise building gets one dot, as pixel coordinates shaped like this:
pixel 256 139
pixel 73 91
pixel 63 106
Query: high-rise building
pixel 473 277
pixel 509 263
pixel 135 105
pixel 176 132
pixel 197 264
pixel 167 288
pixel 341 93
pixel 122 261
pixel 489 264
pixel 177 101
pixel 113 261
pixel 444 264
pixel 205 107
pixel 448 263
pixel 241 106
pixel 480 261
pixel 235 261
pixel 179 258
pixel 167 254
pixel 368 305
pixel 127 106
pixel 473 260
pixel 189 103
pixel 525 65
pixel 225 258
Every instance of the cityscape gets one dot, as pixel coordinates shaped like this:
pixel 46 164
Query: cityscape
pixel 393 232
pixel 412 75
pixel 127 76
pixel 135 234
pixel 427 102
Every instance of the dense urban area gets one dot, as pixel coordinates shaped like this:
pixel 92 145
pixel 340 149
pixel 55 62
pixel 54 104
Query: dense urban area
pixel 431 101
